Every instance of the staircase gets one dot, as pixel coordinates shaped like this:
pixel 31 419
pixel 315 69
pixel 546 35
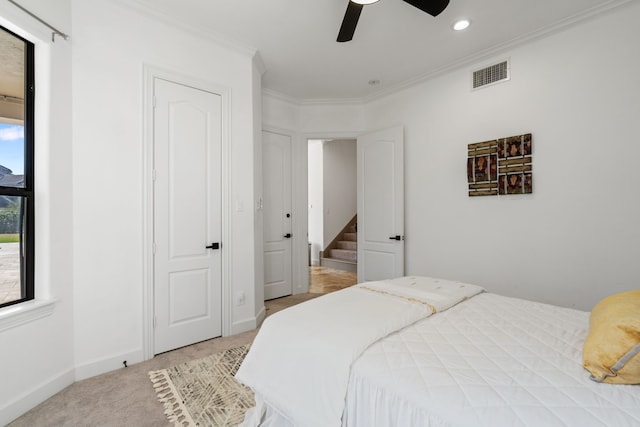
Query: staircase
pixel 343 251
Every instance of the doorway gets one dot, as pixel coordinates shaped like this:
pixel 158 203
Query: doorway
pixel 332 203
pixel 186 158
pixel 379 195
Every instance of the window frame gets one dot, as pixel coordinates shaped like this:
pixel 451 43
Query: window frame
pixel 27 243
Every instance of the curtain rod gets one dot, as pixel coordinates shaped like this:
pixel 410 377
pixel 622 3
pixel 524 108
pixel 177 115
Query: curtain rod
pixel 55 33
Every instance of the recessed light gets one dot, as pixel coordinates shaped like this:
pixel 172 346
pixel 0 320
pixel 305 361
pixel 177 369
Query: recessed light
pixel 461 25
pixel 365 1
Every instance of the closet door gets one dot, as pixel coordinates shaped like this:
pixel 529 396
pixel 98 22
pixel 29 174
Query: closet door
pixel 187 215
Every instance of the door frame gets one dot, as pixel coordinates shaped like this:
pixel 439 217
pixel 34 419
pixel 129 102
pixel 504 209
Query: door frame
pixel 303 177
pixel 150 73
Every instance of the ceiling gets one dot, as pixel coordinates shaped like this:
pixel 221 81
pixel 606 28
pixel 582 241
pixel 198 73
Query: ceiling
pixel 11 78
pixel 394 43
pixel 11 65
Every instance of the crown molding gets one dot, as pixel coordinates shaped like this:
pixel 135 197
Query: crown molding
pixel 270 93
pixel 501 48
pixel 340 101
pixel 143 8
pixel 259 63
pixel 279 96
pixel 479 56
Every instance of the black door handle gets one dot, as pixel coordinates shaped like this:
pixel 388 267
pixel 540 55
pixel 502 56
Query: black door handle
pixel 395 238
pixel 214 246
pixel 287 236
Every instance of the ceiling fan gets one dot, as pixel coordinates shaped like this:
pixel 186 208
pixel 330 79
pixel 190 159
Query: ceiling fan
pixel 351 16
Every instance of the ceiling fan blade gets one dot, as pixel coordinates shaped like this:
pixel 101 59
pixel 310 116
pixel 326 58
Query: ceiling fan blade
pixel 349 22
pixel 432 7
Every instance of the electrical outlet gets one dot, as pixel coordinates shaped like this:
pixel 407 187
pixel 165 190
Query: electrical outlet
pixel 241 298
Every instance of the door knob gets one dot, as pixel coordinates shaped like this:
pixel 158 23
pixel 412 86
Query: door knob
pixel 287 236
pixel 395 238
pixel 214 246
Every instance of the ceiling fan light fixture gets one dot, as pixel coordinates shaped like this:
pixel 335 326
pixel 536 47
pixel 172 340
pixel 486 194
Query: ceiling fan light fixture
pixel 461 24
pixel 354 8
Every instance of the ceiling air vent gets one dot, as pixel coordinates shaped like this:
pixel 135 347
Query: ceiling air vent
pixel 492 74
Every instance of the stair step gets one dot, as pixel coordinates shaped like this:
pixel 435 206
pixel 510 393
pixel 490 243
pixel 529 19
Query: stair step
pixel 351 237
pixel 339 264
pixel 353 229
pixel 347 244
pixel 344 254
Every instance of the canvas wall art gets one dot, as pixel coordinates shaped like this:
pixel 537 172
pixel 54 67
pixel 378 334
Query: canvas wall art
pixel 500 166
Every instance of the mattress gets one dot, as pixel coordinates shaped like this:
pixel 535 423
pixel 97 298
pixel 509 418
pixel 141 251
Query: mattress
pixel 489 361
pixel 300 362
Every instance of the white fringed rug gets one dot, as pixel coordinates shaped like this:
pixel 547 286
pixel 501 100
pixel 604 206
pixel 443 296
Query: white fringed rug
pixel 204 392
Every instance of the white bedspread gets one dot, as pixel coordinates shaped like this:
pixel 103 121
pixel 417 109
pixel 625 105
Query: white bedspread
pixel 299 364
pixel 492 361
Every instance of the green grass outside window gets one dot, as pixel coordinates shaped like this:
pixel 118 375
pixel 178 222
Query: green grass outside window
pixel 9 238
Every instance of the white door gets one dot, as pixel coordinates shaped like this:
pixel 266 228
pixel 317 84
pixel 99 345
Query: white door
pixel 187 215
pixel 381 205
pixel 276 167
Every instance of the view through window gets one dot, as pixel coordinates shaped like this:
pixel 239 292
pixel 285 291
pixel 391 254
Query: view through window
pixel 16 169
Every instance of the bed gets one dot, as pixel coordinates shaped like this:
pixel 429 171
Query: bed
pixel 470 358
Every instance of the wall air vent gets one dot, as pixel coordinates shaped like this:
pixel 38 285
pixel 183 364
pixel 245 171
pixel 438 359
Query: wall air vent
pixel 492 74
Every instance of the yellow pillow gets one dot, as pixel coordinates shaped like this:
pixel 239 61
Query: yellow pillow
pixel 612 349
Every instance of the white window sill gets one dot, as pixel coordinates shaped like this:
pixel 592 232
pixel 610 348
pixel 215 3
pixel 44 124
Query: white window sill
pixel 19 314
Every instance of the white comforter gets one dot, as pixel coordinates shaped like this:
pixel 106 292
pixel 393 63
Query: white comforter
pixel 492 361
pixel 299 364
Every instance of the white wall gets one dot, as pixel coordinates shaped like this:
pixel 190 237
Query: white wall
pixel 338 120
pixel 575 239
pixel 316 207
pixel 111 45
pixel 36 358
pixel 339 188
pixel 571 242
pixel 95 204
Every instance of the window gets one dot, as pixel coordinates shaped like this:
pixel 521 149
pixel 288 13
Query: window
pixel 16 169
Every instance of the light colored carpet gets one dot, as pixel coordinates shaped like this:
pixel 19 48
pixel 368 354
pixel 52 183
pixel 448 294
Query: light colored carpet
pixel 124 397
pixel 204 392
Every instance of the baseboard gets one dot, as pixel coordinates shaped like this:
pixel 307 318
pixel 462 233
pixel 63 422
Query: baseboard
pixel 262 314
pixel 101 366
pixel 247 324
pixel 35 396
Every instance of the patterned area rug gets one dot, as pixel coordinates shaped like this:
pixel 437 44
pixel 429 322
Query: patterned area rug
pixel 204 392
